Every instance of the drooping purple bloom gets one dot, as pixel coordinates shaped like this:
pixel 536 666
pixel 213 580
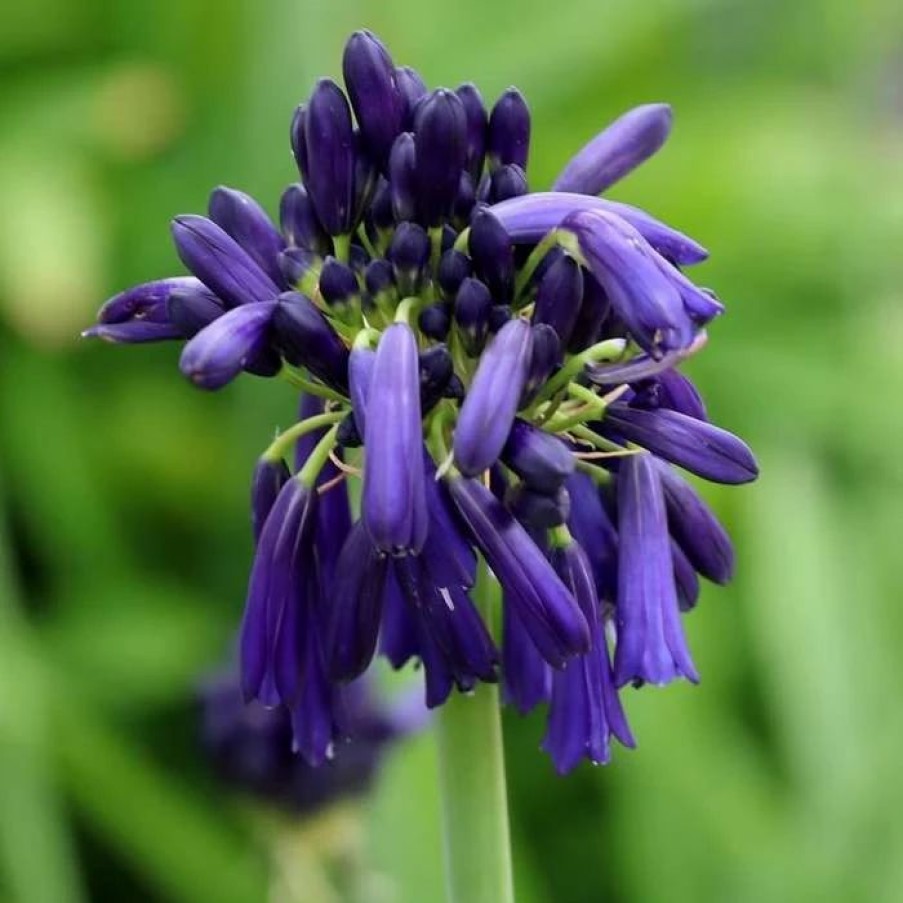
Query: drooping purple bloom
pixel 592 527
pixel 144 302
pixel 548 611
pixel 277 594
pixel 621 147
pixel 526 676
pixel 685 580
pixel 585 711
pixel 393 504
pixel 696 529
pixel 491 402
pixel 702 448
pixel 219 351
pixel 651 647
pixel 672 390
pixel 266 482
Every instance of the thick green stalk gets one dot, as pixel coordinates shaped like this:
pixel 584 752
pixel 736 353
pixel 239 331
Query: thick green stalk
pixel 472 783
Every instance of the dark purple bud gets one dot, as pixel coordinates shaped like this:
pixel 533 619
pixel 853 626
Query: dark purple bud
pixel 472 306
pixel 526 676
pixel 545 358
pixel 380 216
pixel 685 580
pixel 530 217
pixel 366 178
pixel 499 316
pixel 133 332
pixel 507 182
pixel 465 201
pixel 491 403
pixel 402 185
pixel 277 592
pixel 329 138
pixel 640 294
pixel 436 369
pixel 434 321
pixel 355 606
pixel 615 151
pixel 540 459
pixel 412 88
pixel 240 216
pixel 455 388
pixel 548 611
pixel 651 646
pixel 379 277
pixel 297 263
pixel 706 450
pixel 454 268
pixel 592 527
pixel 538 510
pixel 371 83
pixel 298 141
pixel 299 221
pixel 509 130
pixel 696 529
pixel 393 505
pixel 220 262
pixel 585 711
pixel 477 128
pixel 144 301
pixel 559 296
pixel 492 255
pixel 440 130
pixel 217 354
pixel 306 339
pixel 266 482
pixel 409 253
pixel 191 309
pixel 338 284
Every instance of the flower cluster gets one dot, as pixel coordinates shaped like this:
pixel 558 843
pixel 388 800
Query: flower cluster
pixel 499 368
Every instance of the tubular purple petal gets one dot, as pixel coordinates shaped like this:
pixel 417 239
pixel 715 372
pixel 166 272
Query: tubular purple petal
pixel 393 501
pixel 526 676
pixel 559 297
pixel 621 147
pixel 240 216
pixel 133 332
pixel 548 611
pixel 136 302
pixel 529 218
pixel 266 482
pixel 491 402
pixel 220 262
pixel 706 450
pixel 190 309
pixel 651 647
pixel 299 221
pixel 540 459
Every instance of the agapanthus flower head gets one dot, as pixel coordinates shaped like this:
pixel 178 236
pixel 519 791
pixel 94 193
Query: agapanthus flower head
pixel 498 367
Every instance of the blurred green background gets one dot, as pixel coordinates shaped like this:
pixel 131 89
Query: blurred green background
pixel 123 532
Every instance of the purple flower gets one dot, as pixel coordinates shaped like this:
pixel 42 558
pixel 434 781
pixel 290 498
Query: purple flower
pixel 492 255
pixel 548 611
pixel 145 302
pixel 217 354
pixel 509 130
pixel 526 676
pixel 372 86
pixel 530 217
pixel 220 262
pixel 706 450
pixel 477 128
pixel 133 332
pixel 540 459
pixel 651 646
pixel 621 147
pixel 585 711
pixel 393 504
pixel 559 296
pixel 266 482
pixel 491 402
pixel 299 222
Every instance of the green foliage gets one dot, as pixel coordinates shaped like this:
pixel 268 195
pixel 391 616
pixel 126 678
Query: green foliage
pixel 124 540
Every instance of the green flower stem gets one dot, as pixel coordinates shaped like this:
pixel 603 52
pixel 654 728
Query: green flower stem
pixel 342 246
pixel 318 457
pixel 472 783
pixel 550 240
pixel 284 441
pixel 298 381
